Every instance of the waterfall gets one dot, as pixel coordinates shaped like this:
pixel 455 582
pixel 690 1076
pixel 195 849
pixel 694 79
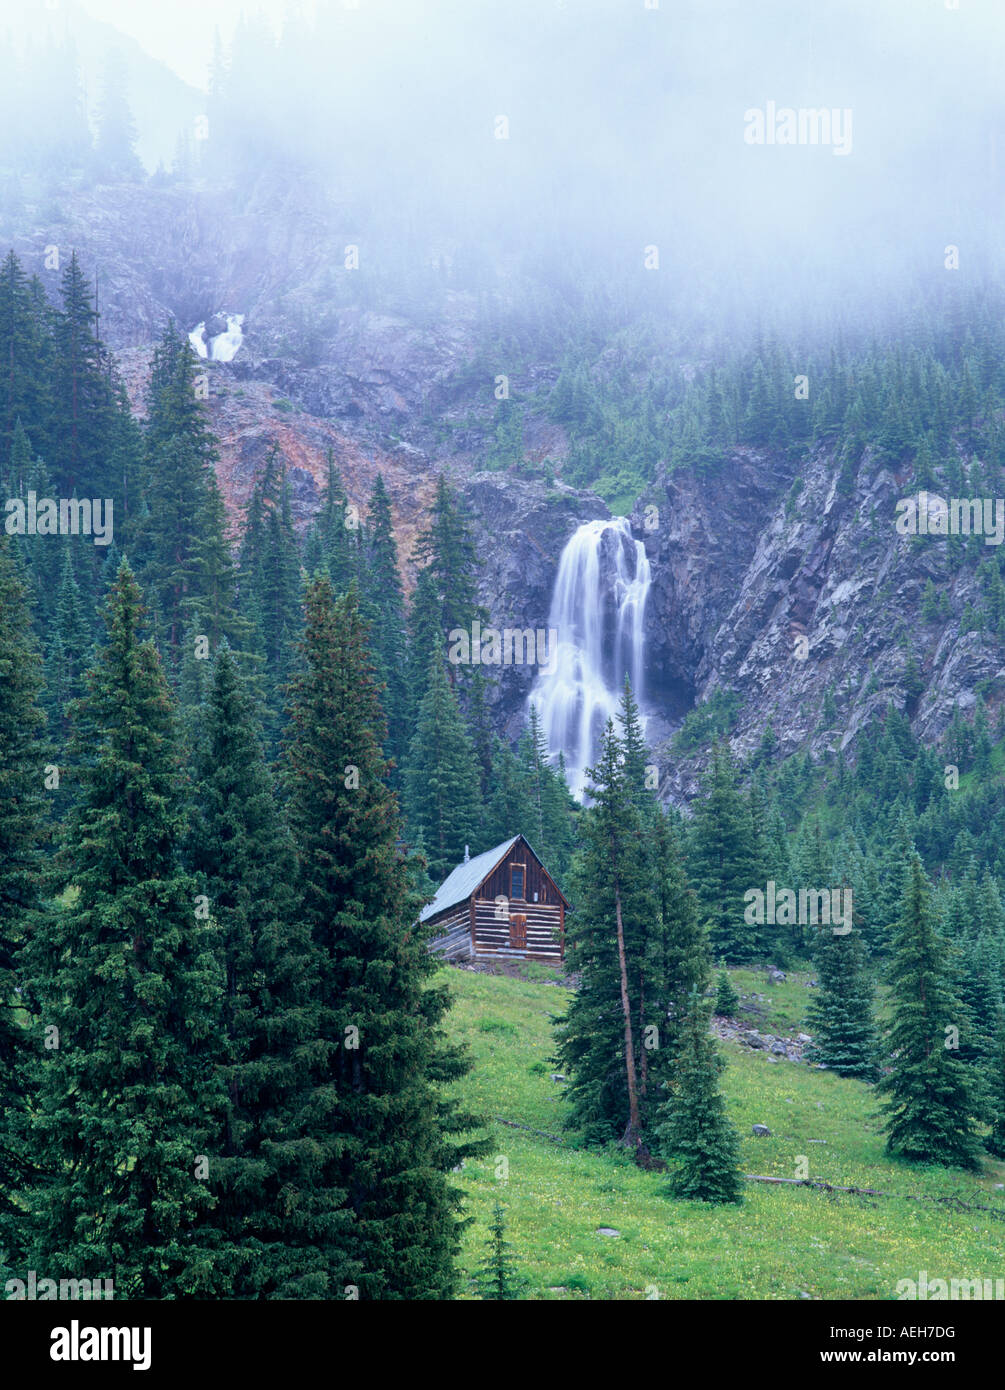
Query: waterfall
pixel 597 611
pixel 222 347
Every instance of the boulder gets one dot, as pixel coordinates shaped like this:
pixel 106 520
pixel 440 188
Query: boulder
pixel 761 1131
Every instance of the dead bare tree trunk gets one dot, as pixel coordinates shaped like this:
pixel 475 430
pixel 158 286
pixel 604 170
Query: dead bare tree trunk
pixel 633 1133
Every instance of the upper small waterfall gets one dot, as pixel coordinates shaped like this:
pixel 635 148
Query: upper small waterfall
pixel 223 345
pixel 597 611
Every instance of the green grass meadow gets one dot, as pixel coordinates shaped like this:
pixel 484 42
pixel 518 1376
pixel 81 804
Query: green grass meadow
pixel 782 1242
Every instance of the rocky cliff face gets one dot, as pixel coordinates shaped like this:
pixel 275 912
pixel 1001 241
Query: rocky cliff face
pixel 744 565
pixel 786 595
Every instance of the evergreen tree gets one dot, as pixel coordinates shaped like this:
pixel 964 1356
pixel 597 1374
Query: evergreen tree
pixel 978 986
pixel 187 564
pixel 26 381
pixel 126 974
pixel 672 961
pixel 115 147
pixel 507 808
pixel 616 902
pixel 727 1001
pixel 332 542
pixel 385 1129
pixel 724 863
pixel 929 1108
pixel 695 1133
pixel 446 592
pixel 277 1219
pixel 16 475
pixel 41 556
pixel 22 769
pixel 68 652
pixel 386 605
pixel 637 941
pixel 995 1143
pixel 681 963
pixel 548 801
pixel 84 397
pixel 442 795
pixel 497 1275
pixel 270 585
pixel 840 1012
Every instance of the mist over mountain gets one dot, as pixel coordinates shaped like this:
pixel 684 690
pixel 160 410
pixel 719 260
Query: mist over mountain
pixel 623 212
pixel 504 522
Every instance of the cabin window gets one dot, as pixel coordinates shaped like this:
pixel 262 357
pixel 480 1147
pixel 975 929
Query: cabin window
pixel 516 882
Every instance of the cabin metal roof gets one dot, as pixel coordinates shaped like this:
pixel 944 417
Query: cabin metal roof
pixel 458 886
pixel 467 878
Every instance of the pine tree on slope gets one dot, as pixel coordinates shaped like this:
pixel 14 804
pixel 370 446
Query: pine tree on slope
pixel 281 1224
pixel 498 1279
pixel 126 974
pixel 723 863
pixel 929 1108
pixel 727 1001
pixel 441 779
pixel 22 810
pixel 695 1133
pixel 840 1013
pixel 388 1129
pixel 617 908
pixel 382 584
pixel 995 1143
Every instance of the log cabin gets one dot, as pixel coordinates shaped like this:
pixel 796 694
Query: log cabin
pixel 501 903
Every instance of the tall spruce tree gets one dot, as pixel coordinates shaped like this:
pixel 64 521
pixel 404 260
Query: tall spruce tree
pixel 549 803
pixel 995 1143
pixel 26 382
pixel 840 1015
pixel 332 543
pixel 724 862
pixel 442 798
pixel 673 960
pixel 695 1134
pixel 126 975
pixel 446 591
pixel 388 634
pixel 929 1107
pixel 637 940
pixel 270 587
pixel 115 147
pixel 616 910
pixel 280 1225
pixel 187 565
pixel 84 394
pixel 22 815
pixel 69 649
pixel 387 1132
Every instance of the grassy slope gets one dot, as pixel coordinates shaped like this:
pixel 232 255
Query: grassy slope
pixel 782 1243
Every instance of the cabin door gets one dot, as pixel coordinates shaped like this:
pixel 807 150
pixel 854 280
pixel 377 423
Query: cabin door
pixel 518 931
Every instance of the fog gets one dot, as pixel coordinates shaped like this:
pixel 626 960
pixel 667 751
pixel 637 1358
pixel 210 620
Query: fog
pixel 554 141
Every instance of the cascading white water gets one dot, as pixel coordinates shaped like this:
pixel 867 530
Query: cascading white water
pixel 597 610
pixel 223 347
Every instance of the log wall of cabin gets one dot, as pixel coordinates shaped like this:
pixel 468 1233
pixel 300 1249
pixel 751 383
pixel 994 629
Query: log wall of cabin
pixel 544 929
pixel 453 933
